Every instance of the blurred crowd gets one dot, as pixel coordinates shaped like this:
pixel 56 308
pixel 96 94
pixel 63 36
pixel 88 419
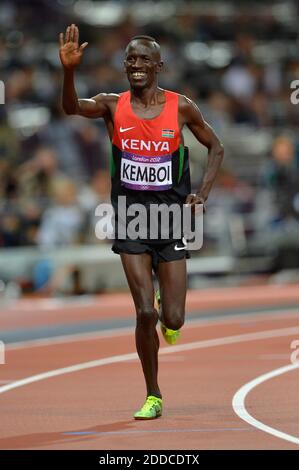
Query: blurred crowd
pixel 236 61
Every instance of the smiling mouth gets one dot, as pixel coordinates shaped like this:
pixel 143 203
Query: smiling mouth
pixel 138 74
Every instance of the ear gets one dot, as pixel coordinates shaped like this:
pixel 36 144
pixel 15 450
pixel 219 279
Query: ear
pixel 159 66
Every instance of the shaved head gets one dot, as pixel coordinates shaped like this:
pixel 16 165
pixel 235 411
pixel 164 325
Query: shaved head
pixel 147 41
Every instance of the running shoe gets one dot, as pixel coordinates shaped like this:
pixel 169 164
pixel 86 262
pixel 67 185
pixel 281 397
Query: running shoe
pixel 170 336
pixel 151 409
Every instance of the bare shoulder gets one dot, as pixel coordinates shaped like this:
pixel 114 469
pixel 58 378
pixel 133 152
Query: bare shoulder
pixel 108 99
pixel 186 104
pixel 102 105
pixel 188 109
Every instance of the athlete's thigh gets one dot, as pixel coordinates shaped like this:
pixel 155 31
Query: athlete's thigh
pixel 138 270
pixel 172 277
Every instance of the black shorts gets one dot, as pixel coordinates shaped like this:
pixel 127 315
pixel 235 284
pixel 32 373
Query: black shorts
pixel 160 252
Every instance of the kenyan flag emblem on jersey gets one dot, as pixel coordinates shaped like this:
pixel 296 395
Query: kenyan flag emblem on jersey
pixel 169 133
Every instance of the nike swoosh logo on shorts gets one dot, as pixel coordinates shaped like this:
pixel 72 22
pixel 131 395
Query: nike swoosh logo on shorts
pixel 126 129
pixel 177 248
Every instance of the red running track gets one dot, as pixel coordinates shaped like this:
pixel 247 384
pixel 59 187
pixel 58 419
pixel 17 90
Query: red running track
pixel 91 405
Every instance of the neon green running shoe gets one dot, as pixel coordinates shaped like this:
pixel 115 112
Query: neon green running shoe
pixel 170 336
pixel 157 304
pixel 151 409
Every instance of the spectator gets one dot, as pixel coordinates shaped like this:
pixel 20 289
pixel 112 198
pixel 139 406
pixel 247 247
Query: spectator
pixel 62 223
pixel 281 175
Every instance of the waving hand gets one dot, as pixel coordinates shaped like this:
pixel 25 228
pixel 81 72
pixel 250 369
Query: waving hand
pixel 70 53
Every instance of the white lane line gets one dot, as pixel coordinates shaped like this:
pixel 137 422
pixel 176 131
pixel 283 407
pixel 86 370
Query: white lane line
pixel 167 350
pixel 247 317
pixel 240 409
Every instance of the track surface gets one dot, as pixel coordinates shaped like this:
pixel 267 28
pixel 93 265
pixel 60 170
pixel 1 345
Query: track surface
pixel 233 337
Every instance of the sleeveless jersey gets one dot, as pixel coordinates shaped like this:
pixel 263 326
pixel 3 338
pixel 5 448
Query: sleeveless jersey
pixel 149 165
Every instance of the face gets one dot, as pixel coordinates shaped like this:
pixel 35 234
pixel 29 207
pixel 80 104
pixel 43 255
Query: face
pixel 142 64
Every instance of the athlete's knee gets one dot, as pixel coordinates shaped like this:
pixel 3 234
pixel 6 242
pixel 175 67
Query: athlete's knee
pixel 175 319
pixel 146 315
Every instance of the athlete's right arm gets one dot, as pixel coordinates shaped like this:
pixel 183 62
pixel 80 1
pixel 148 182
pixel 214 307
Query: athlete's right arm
pixel 70 55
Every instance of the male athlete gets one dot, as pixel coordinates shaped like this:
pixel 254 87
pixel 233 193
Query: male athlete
pixel 149 166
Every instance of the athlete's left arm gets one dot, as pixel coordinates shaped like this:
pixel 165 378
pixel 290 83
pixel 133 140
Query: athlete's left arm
pixel 192 117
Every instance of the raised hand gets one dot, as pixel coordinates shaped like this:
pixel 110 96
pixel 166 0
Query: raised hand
pixel 70 53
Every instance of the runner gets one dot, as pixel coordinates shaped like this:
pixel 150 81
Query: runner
pixel 149 166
